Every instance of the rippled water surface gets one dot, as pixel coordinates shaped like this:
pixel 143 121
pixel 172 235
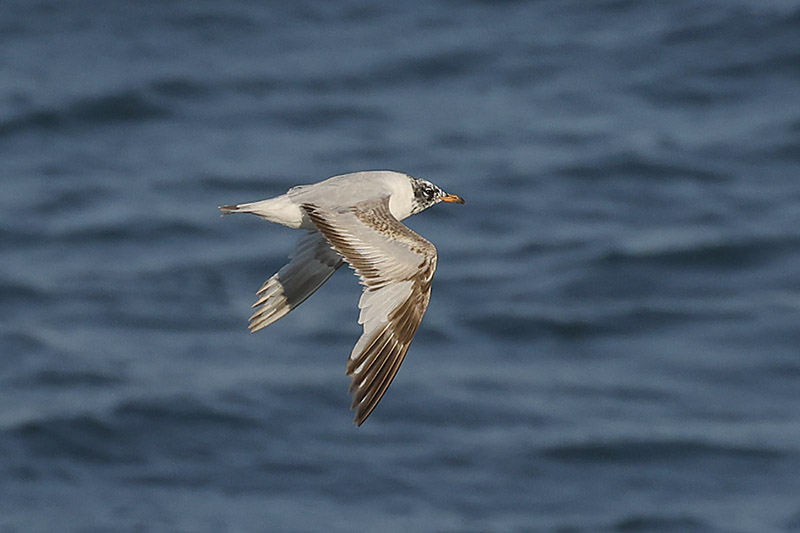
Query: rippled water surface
pixel 613 340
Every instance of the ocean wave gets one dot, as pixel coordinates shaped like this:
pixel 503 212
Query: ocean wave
pixel 433 67
pixel 128 432
pixel 124 106
pixel 105 231
pixel 584 320
pixel 66 378
pixel 14 291
pixel 645 451
pixel 703 253
pixel 320 115
pixel 135 231
pixel 661 524
pixel 180 413
pixel 180 87
pixel 81 437
pixel 638 166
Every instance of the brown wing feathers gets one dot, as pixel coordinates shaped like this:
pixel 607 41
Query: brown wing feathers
pixel 373 369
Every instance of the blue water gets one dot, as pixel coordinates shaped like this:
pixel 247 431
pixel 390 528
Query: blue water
pixel 613 341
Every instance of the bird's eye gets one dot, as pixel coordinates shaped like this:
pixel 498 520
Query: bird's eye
pixel 428 190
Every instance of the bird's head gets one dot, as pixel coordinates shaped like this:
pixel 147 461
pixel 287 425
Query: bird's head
pixel 427 194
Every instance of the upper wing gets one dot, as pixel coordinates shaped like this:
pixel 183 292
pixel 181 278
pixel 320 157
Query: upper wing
pixel 310 265
pixel 396 267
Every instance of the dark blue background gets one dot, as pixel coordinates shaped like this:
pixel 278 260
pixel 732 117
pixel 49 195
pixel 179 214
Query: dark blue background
pixel 612 342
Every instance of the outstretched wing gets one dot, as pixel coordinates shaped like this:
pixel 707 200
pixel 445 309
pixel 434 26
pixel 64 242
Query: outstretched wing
pixel 310 265
pixel 396 267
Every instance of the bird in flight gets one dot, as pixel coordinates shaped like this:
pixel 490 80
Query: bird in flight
pixel 356 218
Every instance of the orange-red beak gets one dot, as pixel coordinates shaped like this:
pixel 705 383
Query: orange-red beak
pixel 453 198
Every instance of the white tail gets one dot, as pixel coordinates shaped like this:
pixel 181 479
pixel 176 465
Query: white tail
pixel 280 210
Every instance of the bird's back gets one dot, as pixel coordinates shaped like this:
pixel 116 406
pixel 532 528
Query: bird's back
pixel 347 190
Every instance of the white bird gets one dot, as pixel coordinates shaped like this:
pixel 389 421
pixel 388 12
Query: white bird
pixel 356 218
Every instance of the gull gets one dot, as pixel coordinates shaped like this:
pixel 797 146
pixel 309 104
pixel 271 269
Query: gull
pixel 355 218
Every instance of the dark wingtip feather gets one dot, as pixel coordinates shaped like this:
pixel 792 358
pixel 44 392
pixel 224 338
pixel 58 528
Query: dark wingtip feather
pixel 228 209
